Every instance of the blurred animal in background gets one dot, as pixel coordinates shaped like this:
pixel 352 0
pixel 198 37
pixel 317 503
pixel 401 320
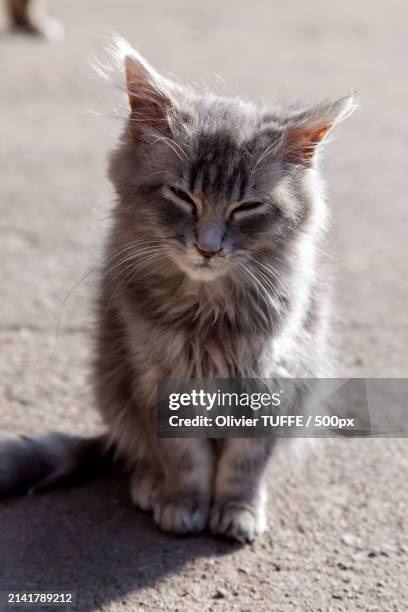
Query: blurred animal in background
pixel 30 16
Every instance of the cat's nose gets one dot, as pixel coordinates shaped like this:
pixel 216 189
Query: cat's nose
pixel 206 253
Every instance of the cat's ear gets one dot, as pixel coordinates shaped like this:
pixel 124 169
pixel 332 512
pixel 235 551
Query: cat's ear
pixel 308 129
pixel 149 93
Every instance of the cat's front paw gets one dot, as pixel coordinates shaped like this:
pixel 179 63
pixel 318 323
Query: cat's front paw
pixel 239 522
pixel 182 514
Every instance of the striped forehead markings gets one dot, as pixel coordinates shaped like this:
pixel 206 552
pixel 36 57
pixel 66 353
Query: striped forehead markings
pixel 219 168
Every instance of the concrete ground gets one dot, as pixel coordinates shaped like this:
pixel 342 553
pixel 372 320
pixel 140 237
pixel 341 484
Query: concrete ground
pixel 337 537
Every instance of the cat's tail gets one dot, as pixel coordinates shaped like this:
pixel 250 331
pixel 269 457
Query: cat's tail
pixel 30 464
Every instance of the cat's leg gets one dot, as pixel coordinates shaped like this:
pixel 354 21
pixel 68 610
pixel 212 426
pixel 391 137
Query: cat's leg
pixel 183 503
pixel 18 11
pixel 31 16
pixel 145 484
pixel 240 489
pixel 175 480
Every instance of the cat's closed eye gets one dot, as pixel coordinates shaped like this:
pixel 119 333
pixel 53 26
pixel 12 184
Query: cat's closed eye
pixel 247 207
pixel 180 197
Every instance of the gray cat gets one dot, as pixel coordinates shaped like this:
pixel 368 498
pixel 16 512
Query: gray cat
pixel 212 270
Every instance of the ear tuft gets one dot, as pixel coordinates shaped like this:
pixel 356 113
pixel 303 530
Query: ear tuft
pixel 149 93
pixel 308 129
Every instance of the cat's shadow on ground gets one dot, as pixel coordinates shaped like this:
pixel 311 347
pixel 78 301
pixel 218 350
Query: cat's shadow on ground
pixel 90 539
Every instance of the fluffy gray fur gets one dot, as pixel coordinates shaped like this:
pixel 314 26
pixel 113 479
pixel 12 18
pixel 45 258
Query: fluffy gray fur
pixel 211 271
